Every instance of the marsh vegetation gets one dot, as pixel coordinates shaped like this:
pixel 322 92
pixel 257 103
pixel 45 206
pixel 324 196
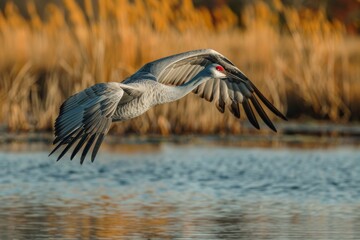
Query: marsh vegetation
pixel 306 64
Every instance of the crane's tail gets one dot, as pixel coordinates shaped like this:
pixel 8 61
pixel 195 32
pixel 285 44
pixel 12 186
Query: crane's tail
pixel 86 118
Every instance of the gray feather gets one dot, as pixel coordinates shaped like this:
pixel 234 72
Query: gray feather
pixel 88 113
pixel 208 90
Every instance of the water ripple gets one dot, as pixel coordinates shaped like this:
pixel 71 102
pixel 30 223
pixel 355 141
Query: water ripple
pixel 183 192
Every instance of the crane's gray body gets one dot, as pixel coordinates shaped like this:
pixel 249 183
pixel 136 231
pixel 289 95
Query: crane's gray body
pixel 87 115
pixel 154 94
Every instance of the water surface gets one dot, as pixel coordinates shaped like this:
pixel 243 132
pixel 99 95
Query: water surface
pixel 171 191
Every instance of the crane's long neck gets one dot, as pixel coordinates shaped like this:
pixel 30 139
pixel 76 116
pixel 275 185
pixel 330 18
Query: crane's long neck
pixel 187 87
pixel 173 93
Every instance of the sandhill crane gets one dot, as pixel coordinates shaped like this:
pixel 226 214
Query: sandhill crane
pixel 87 115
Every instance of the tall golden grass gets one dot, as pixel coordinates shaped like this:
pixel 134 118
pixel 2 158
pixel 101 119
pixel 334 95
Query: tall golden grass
pixel 308 68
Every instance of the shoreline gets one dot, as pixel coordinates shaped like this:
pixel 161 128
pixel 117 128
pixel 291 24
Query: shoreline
pixel 290 135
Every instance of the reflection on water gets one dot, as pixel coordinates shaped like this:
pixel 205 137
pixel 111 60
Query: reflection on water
pixel 183 192
pixel 162 220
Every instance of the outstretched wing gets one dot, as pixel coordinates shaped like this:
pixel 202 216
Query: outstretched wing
pixel 86 118
pixel 180 68
pixel 231 92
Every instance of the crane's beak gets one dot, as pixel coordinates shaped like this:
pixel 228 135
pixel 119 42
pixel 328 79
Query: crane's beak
pixel 230 75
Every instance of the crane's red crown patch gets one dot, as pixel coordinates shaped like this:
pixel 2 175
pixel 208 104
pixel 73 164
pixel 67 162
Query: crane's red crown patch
pixel 219 68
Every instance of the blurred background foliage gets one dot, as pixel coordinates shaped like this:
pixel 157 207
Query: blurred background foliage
pixel 304 55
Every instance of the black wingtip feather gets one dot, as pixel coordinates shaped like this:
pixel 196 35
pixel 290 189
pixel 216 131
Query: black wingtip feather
pixel 234 107
pixel 250 114
pixel 56 140
pixel 268 104
pixel 220 105
pixel 73 140
pixel 87 147
pixel 97 146
pixel 63 141
pixel 262 113
pixel 56 148
pixel 79 145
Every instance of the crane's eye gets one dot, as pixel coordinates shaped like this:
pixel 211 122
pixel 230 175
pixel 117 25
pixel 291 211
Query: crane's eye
pixel 219 68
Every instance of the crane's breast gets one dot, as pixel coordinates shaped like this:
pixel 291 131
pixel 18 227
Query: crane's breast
pixel 138 105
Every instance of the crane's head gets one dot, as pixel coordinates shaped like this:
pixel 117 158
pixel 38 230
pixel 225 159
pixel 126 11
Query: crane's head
pixel 217 71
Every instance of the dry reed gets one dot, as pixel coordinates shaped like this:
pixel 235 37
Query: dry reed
pixel 308 69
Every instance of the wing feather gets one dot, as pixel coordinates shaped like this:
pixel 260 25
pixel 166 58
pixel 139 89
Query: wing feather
pixel 97 146
pixel 79 145
pixel 267 103
pixel 229 93
pixel 86 116
pixel 250 113
pixel 262 113
pixel 208 89
pixel 215 91
pixel 69 145
pixel 200 89
pixel 234 108
pixel 87 148
pixel 237 93
pixel 224 96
